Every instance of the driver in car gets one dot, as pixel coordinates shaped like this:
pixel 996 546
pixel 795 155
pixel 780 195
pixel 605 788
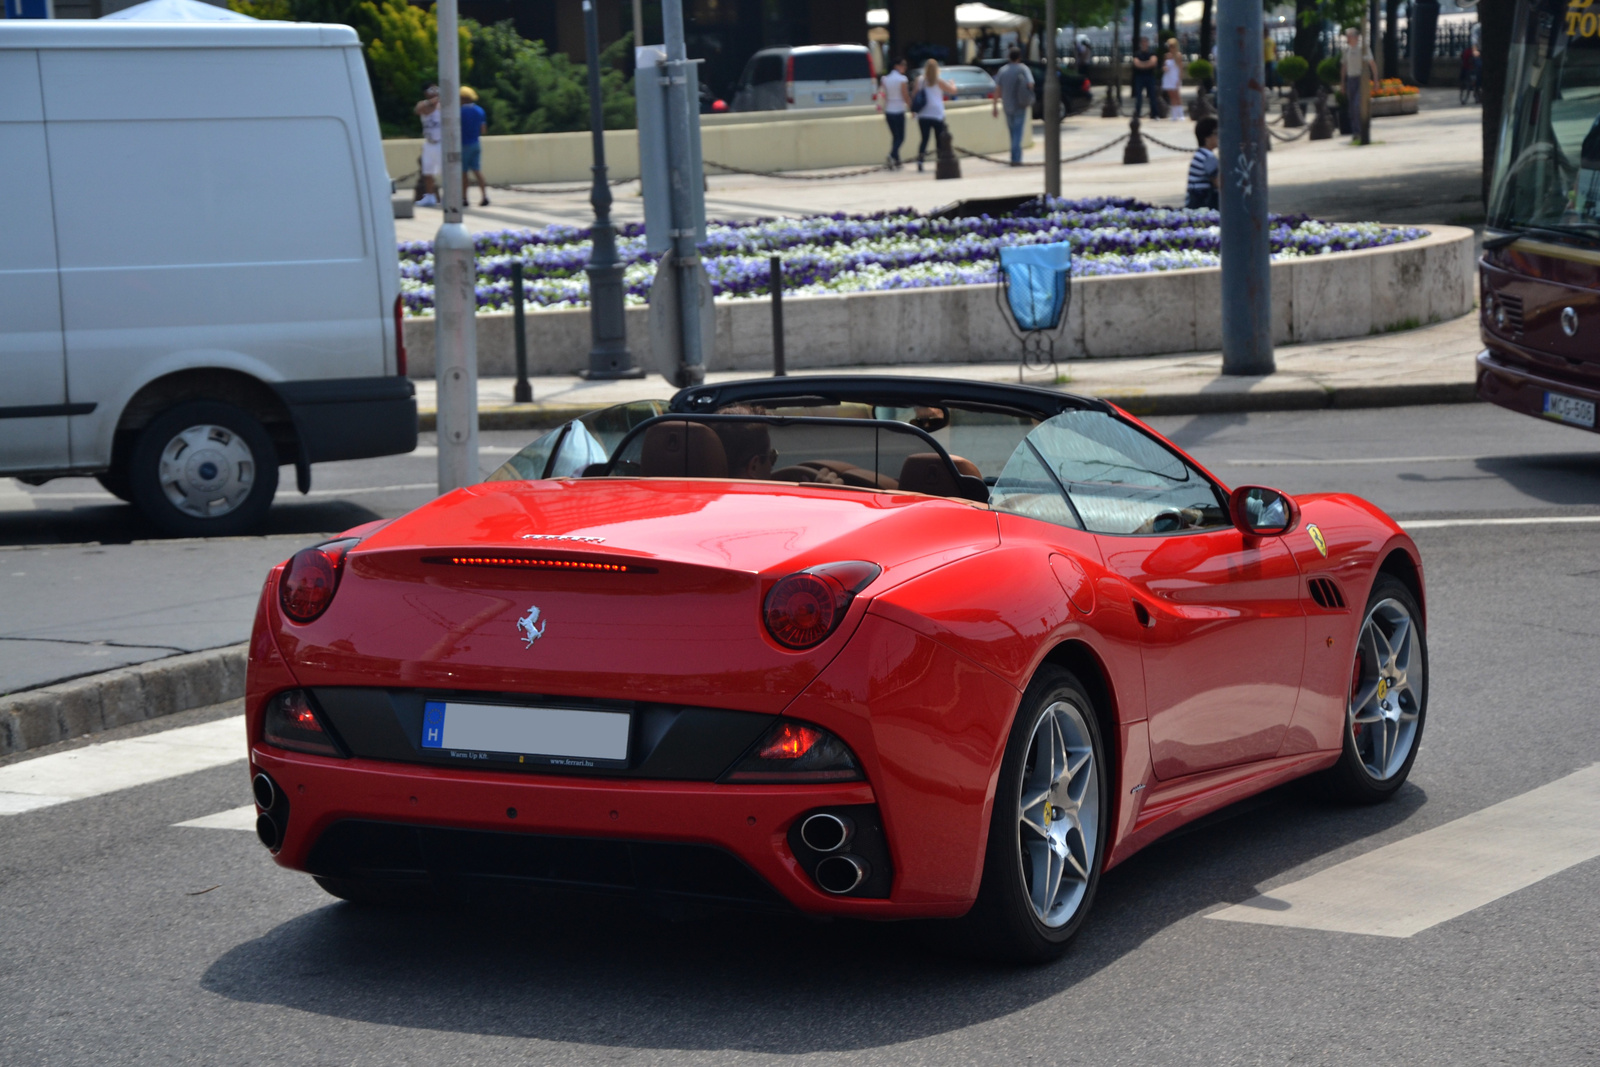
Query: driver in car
pixel 749 448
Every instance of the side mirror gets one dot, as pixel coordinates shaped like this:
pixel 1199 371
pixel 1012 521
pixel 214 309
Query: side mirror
pixel 1262 512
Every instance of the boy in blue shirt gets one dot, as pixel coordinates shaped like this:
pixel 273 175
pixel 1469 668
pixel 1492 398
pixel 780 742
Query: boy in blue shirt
pixel 473 122
pixel 1205 176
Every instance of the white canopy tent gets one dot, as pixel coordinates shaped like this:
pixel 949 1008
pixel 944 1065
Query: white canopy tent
pixel 175 11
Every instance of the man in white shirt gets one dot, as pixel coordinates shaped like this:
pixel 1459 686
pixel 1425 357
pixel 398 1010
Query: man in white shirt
pixel 894 91
pixel 432 149
pixel 1357 57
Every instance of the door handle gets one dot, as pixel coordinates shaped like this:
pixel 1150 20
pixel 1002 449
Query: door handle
pixel 1142 613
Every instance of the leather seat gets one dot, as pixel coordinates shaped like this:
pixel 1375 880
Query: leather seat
pixel 682 450
pixel 926 472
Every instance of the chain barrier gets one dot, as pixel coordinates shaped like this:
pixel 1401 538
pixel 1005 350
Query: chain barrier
pixel 1069 159
pixel 559 191
pixel 1156 140
pixel 1290 136
pixel 797 177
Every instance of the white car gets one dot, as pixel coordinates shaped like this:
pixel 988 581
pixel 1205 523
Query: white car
pixel 198 279
pixel 827 75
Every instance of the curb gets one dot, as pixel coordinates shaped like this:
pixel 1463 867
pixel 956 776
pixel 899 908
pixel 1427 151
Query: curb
pixel 1304 398
pixel 114 698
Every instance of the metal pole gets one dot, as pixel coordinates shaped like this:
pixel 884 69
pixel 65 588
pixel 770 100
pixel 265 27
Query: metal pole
pixel 681 120
pixel 638 23
pixel 522 392
pixel 1246 254
pixel 609 357
pixel 454 283
pixel 1052 105
pixel 1369 43
pixel 776 282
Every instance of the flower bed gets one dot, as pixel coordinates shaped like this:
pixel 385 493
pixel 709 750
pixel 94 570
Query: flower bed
pixel 1394 87
pixel 889 250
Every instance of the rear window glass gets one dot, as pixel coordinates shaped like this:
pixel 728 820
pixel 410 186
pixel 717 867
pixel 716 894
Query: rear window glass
pixel 831 66
pixel 768 69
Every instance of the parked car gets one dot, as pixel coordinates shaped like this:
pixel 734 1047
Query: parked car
pixel 1076 92
pixel 197 275
pixel 829 75
pixel 862 646
pixel 972 83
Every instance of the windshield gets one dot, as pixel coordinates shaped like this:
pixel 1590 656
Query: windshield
pixel 1547 172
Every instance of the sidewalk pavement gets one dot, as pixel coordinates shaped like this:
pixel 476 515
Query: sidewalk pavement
pixel 1430 365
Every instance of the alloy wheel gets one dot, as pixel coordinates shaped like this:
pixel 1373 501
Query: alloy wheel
pixel 1386 690
pixel 1058 822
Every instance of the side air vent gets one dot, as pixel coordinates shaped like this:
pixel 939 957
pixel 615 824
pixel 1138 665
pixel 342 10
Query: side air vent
pixel 1508 313
pixel 1325 591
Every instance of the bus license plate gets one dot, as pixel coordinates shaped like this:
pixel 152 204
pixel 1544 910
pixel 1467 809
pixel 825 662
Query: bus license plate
pixel 833 96
pixel 1569 409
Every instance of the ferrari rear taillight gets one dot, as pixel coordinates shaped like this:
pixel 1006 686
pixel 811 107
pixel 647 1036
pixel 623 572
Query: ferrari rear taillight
pixel 793 751
pixel 310 579
pixel 802 609
pixel 291 722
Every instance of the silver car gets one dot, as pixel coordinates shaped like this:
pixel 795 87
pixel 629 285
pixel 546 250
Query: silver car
pixel 829 75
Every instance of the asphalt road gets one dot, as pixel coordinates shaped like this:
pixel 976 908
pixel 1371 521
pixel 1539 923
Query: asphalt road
pixel 127 939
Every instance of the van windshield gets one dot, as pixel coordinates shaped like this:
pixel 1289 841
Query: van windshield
pixel 831 66
pixel 1547 174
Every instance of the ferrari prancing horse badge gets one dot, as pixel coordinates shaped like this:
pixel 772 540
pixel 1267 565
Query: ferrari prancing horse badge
pixel 1317 538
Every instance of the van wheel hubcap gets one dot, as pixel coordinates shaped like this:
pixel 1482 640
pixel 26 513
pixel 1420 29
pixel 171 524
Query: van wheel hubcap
pixel 206 471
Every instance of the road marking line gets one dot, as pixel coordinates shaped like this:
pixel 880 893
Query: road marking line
pixel 13 497
pixel 233 819
pixel 1435 524
pixel 114 765
pixel 1408 886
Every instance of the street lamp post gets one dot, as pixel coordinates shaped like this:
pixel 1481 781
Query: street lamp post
pixel 1052 105
pixel 455 283
pixel 1246 253
pixel 609 357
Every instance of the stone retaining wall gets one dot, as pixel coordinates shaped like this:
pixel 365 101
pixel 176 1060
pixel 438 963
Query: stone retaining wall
pixel 1322 298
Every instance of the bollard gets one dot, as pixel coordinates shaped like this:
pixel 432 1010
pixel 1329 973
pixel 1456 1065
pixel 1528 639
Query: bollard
pixel 1136 152
pixel 776 282
pixel 522 393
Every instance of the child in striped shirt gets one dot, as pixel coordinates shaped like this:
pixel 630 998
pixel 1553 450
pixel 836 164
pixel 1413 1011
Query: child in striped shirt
pixel 1205 176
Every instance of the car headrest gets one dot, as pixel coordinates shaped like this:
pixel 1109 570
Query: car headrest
pixel 682 450
pixel 927 472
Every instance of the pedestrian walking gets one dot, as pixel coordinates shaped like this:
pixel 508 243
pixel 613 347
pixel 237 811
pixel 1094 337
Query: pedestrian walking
pixel 427 110
pixel 1014 91
pixel 927 100
pixel 473 122
pixel 1205 174
pixel 1172 80
pixel 894 88
pixel 1144 78
pixel 1357 56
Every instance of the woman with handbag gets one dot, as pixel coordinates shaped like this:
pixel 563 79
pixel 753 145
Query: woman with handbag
pixel 927 100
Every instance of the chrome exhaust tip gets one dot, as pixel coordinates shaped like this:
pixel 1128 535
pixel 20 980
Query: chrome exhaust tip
pixel 267 831
pixel 840 874
pixel 266 793
pixel 827 832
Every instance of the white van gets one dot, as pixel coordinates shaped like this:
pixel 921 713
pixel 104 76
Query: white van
pixel 198 278
pixel 824 75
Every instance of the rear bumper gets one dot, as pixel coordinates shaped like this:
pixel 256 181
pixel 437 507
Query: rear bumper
pixel 352 418
pixel 1519 389
pixel 750 823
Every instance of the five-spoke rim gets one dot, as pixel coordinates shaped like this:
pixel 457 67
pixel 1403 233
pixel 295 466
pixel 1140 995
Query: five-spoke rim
pixel 206 471
pixel 1386 690
pixel 1058 808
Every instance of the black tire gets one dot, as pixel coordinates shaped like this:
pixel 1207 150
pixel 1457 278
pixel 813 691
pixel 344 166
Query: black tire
pixel 115 482
pixel 235 454
pixel 1352 780
pixel 1004 924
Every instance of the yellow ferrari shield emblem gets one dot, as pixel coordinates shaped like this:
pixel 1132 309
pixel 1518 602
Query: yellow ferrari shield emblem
pixel 1383 688
pixel 1317 538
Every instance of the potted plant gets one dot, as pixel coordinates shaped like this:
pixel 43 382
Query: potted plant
pixel 1290 70
pixel 1201 72
pixel 1327 76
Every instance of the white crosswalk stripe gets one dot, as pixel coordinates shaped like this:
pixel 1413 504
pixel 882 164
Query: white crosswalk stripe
pixel 1407 886
pixel 113 765
pixel 233 819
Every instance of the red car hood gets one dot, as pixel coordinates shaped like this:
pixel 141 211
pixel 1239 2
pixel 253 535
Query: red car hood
pixel 682 624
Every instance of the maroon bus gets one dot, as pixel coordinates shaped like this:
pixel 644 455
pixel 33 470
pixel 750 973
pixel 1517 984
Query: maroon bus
pixel 1540 271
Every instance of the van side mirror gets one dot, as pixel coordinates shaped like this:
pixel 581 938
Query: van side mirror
pixel 1262 512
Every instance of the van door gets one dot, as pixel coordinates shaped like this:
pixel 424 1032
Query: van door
pixel 33 375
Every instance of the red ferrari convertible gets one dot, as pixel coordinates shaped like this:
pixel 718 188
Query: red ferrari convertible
pixel 864 646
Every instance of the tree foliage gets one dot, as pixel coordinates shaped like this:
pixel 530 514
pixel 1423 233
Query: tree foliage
pixel 1292 68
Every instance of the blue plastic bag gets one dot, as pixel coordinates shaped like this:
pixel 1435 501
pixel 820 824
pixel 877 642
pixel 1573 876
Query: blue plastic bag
pixel 1036 283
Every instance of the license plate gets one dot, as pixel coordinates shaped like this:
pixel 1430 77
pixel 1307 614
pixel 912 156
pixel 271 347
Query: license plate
pixel 833 96
pixel 1569 409
pixel 567 737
